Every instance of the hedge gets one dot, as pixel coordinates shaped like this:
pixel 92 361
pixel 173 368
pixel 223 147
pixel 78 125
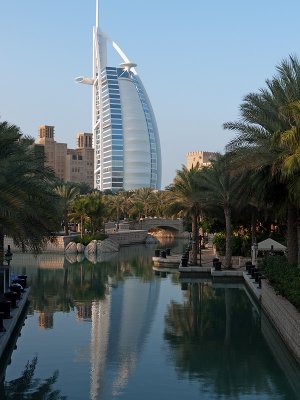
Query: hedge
pixel 284 278
pixel 86 239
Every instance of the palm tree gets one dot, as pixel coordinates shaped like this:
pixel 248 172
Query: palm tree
pixel 125 202
pixel 94 209
pixel 143 197
pixel 78 213
pixel 83 187
pixel 67 194
pixel 29 208
pixel 268 139
pixel 160 203
pixel 186 195
pixel 222 189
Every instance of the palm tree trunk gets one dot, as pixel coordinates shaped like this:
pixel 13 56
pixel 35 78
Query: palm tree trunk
pixel 194 239
pixel 253 224
pixel 292 240
pixel 1 245
pixel 81 227
pixel 228 250
pixel 298 236
pixel 66 224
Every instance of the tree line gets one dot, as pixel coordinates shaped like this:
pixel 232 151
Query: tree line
pixel 253 187
pixel 256 182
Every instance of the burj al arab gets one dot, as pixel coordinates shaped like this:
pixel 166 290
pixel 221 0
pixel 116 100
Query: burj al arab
pixel 125 133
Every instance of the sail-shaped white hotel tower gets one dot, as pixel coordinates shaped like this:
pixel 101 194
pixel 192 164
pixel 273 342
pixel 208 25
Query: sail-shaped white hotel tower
pixel 126 141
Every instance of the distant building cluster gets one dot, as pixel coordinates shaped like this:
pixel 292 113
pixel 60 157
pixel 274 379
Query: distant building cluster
pixel 200 158
pixel 70 165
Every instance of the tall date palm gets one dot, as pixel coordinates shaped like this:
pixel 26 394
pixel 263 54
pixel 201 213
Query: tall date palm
pixel 225 190
pixel 268 139
pixel 29 211
pixel 186 194
pixel 67 194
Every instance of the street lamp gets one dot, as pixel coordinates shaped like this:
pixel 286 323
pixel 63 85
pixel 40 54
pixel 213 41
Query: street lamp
pixel 200 246
pixel 8 255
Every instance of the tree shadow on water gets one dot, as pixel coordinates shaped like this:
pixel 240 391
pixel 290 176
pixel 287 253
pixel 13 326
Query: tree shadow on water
pixel 26 387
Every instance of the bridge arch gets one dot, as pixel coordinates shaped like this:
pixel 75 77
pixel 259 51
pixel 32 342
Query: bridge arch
pixel 154 225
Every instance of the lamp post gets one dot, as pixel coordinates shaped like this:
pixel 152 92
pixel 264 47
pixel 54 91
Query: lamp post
pixel 8 257
pixel 200 245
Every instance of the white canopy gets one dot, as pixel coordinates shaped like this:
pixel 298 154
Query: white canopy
pixel 266 245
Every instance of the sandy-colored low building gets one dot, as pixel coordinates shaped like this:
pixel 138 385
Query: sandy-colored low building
pixel 200 158
pixel 70 165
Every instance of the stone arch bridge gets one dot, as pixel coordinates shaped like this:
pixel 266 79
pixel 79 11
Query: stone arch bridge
pixel 174 226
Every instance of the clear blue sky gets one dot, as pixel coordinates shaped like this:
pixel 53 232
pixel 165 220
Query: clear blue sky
pixel 196 58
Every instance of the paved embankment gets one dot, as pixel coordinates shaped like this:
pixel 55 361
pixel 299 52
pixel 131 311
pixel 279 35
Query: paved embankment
pixel 284 316
pixel 10 324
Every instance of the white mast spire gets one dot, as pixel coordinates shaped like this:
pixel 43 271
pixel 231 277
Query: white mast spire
pixel 97 14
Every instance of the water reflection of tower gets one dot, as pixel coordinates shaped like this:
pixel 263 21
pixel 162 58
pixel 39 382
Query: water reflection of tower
pixel 120 325
pixel 99 343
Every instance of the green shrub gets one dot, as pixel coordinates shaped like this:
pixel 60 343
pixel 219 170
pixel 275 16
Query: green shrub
pixel 284 278
pixel 219 241
pixel 240 246
pixel 86 239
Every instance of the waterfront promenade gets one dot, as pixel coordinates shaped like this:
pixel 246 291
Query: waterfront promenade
pixel 205 260
pixel 11 323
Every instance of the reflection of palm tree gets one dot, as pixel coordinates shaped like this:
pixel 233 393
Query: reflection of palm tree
pixel 192 319
pixel 207 343
pixel 30 388
pixel 228 316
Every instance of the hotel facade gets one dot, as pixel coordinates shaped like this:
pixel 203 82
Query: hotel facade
pixel 125 134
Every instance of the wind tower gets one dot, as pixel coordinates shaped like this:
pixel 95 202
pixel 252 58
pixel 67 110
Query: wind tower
pixel 125 134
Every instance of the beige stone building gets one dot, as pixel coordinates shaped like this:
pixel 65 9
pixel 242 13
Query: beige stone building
pixel 80 162
pixel 70 165
pixel 200 158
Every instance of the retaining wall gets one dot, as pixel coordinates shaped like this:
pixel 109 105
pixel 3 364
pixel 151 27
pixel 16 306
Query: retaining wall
pixel 123 237
pixel 284 316
pixel 127 237
pixel 56 247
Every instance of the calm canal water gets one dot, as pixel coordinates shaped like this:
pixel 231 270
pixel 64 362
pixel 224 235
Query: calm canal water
pixel 114 330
